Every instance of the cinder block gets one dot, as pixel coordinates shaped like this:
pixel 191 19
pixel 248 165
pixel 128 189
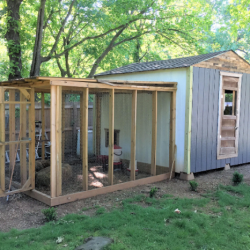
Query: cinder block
pixel 227 167
pixel 187 177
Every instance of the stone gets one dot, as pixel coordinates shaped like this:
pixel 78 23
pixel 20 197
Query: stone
pixel 43 176
pixel 95 243
pixel 187 177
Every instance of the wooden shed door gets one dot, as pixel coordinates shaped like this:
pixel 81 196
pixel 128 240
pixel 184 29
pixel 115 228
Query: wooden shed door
pixel 228 131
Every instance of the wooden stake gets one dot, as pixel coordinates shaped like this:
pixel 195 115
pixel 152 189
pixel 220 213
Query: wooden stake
pixel 133 135
pixel 84 137
pixel 111 135
pixel 154 133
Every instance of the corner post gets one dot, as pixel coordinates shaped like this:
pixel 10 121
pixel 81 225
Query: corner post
pixel 2 139
pixel 12 128
pixel 188 119
pixel 111 135
pixel 133 135
pixel 84 136
pixel 154 133
pixel 32 137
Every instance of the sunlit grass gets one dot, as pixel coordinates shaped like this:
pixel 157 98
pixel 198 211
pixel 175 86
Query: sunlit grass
pixel 221 220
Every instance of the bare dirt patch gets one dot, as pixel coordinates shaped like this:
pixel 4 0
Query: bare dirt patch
pixel 24 212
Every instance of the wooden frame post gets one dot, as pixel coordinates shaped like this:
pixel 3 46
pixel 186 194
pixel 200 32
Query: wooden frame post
pixel 56 142
pixel 23 134
pixel 2 139
pixel 32 137
pixel 12 128
pixel 43 125
pixel 111 136
pixel 98 123
pixel 133 135
pixel 172 132
pixel 84 136
pixel 154 133
pixel 63 125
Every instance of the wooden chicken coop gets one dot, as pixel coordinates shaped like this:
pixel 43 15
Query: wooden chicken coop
pixel 137 116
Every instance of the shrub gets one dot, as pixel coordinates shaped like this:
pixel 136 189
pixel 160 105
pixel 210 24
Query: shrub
pixel 237 178
pixel 193 185
pixel 100 210
pixel 152 192
pixel 49 213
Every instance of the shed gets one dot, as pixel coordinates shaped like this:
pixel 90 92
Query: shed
pixel 212 106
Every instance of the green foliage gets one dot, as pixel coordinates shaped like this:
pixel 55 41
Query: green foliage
pixel 237 178
pixel 193 185
pixel 100 211
pixel 49 213
pixel 17 112
pixel 152 192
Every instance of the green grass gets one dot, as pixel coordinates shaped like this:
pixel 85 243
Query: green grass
pixel 221 221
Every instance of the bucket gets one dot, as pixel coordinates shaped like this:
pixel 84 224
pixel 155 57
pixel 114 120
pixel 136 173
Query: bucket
pixel 117 153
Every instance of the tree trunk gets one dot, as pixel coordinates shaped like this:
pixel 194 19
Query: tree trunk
pixel 136 54
pixel 13 39
pixel 37 59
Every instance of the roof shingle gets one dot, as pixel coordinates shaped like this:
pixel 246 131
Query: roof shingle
pixel 164 64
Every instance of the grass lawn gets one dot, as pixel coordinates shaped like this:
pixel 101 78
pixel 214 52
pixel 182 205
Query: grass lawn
pixel 219 220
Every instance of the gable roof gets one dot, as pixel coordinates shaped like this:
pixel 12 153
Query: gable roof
pixel 164 64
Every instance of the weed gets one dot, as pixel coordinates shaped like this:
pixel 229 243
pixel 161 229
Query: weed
pixel 100 210
pixel 153 192
pixel 49 213
pixel 193 185
pixel 237 178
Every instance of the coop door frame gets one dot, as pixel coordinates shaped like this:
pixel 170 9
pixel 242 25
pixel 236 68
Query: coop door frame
pixel 27 182
pixel 224 152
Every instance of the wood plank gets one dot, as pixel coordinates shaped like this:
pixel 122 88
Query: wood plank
pixel 109 189
pixel 154 133
pixel 53 141
pixel 23 127
pixel 43 125
pixel 106 86
pixel 12 128
pixel 98 123
pixel 2 138
pixel 188 119
pixel 84 136
pixel 32 137
pixel 39 196
pixel 137 82
pixel 111 135
pixel 63 125
pixel 58 140
pixel 133 135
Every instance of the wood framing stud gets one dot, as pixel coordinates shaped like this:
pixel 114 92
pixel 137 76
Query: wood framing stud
pixel 2 139
pixel 133 135
pixel 172 150
pixel 84 136
pixel 111 135
pixel 154 133
pixel 43 125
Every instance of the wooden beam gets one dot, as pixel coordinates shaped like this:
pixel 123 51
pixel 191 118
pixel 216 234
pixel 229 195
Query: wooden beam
pixel 63 125
pixel 39 196
pixel 25 93
pixel 58 140
pixel 111 136
pixel 133 135
pixel 32 137
pixel 154 133
pixel 53 141
pixel 136 82
pixel 2 139
pixel 98 123
pixel 172 131
pixel 106 86
pixel 104 190
pixel 23 127
pixel 84 136
pixel 12 128
pixel 43 125
pixel 188 119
